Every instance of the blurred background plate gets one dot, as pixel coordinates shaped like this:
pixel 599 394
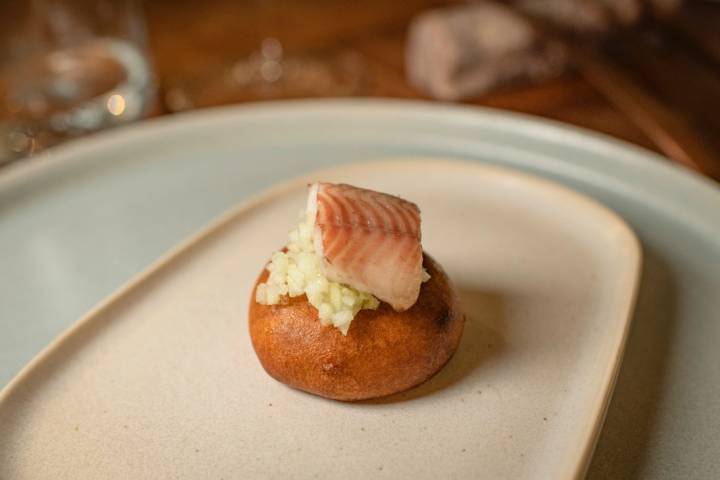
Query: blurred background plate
pixel 78 221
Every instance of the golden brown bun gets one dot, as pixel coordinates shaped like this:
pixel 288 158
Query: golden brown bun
pixel 384 351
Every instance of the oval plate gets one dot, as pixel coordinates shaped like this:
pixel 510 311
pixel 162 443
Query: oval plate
pixel 161 380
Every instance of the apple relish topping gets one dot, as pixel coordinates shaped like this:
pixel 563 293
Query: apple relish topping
pixel 297 271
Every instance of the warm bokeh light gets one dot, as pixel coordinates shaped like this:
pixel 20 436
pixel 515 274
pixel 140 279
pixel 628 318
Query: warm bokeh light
pixel 116 104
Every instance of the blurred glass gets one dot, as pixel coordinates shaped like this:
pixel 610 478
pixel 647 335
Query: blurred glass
pixel 69 67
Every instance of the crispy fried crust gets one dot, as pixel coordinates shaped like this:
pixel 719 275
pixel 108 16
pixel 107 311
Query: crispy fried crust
pixel 384 351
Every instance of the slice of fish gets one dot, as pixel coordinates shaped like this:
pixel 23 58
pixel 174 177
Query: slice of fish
pixel 369 241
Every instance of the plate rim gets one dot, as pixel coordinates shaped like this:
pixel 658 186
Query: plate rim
pixel 579 469
pixel 645 174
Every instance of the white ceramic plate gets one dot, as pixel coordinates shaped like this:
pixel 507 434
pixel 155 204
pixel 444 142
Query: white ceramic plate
pixel 161 380
pixel 79 221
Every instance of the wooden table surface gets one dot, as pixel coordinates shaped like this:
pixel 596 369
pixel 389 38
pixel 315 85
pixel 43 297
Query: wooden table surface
pixel 193 43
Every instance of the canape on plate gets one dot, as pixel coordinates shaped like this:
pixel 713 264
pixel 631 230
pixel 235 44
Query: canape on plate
pixel 352 308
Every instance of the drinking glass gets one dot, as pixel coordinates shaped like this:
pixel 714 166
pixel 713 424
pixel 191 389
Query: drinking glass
pixel 69 67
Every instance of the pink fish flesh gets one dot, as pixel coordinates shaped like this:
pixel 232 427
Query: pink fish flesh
pixel 369 241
